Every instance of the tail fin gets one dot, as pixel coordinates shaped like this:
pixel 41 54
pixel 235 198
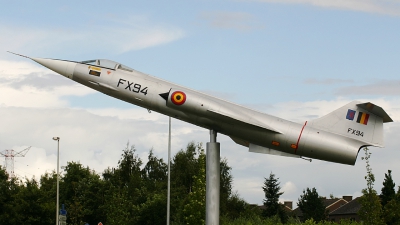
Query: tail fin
pixel 356 120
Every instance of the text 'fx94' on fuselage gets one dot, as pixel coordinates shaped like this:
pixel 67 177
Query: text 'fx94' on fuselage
pixel 335 137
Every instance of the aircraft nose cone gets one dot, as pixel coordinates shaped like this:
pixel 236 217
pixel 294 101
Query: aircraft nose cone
pixel 65 68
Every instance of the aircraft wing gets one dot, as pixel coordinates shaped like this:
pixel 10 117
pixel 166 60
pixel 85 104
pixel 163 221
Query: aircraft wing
pixel 263 150
pixel 242 121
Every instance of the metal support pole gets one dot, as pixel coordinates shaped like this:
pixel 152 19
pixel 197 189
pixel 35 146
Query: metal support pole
pixel 58 178
pixel 212 180
pixel 169 172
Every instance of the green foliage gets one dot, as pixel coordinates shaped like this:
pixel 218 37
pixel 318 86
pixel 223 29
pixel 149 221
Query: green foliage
pixel 237 208
pixel 81 191
pixel 48 196
pixel 272 193
pixel 155 173
pixel 371 209
pixel 225 186
pixel 118 207
pixel 184 168
pixel 29 200
pixel 391 211
pixel 6 198
pixel 388 192
pixel 135 193
pixel 128 172
pixel 312 206
pixel 194 210
pixel 153 211
pixel 131 193
pixel 390 201
pixel 275 220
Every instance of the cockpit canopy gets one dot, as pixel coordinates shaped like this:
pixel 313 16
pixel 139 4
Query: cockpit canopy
pixel 107 64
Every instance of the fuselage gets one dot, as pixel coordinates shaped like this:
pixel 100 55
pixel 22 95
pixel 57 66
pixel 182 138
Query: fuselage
pixel 144 90
pixel 245 126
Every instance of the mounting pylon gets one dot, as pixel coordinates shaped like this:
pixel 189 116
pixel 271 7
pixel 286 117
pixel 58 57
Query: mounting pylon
pixel 9 162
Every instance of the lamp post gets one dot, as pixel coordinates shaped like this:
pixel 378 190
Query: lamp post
pixel 58 187
pixel 169 172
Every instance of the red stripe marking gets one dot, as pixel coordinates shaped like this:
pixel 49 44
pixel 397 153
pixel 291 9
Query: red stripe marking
pixel 366 119
pixel 298 140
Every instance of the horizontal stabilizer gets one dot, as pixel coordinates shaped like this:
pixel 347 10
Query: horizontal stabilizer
pixel 374 109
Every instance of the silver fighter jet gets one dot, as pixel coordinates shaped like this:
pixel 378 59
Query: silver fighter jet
pixel 336 137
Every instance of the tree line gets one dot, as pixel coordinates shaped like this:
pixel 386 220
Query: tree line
pixel 136 193
pixel 375 209
pixel 130 193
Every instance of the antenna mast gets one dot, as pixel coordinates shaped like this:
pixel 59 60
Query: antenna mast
pixel 9 159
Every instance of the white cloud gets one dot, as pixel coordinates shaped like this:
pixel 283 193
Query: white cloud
pixel 379 88
pixel 329 81
pixel 231 20
pixel 17 69
pixel 389 7
pixel 289 188
pixel 121 35
pixel 147 38
pixel 28 85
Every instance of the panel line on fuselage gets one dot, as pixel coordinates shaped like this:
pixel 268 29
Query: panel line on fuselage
pixel 298 140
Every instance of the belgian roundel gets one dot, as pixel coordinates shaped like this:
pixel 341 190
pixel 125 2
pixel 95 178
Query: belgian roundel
pixel 178 97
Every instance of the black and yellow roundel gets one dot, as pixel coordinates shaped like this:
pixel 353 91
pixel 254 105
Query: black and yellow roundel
pixel 178 97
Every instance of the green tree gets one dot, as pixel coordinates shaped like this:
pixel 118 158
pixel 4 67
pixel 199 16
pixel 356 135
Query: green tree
pixel 29 204
pixel 9 189
pixel 153 211
pixel 371 209
pixel 118 208
pixel 127 194
pixel 388 192
pixel 128 171
pixel 142 191
pixel 194 210
pixel 391 210
pixel 155 173
pixel 312 206
pixel 24 202
pixel 272 193
pixel 154 191
pixel 183 169
pixel 82 194
pixel 48 187
pixel 127 180
pixel 225 186
pixel 239 208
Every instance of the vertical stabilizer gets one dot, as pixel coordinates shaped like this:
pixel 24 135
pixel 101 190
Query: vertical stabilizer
pixel 356 120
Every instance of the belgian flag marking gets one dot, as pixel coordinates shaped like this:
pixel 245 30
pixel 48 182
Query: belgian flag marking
pixel 178 97
pixel 363 118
